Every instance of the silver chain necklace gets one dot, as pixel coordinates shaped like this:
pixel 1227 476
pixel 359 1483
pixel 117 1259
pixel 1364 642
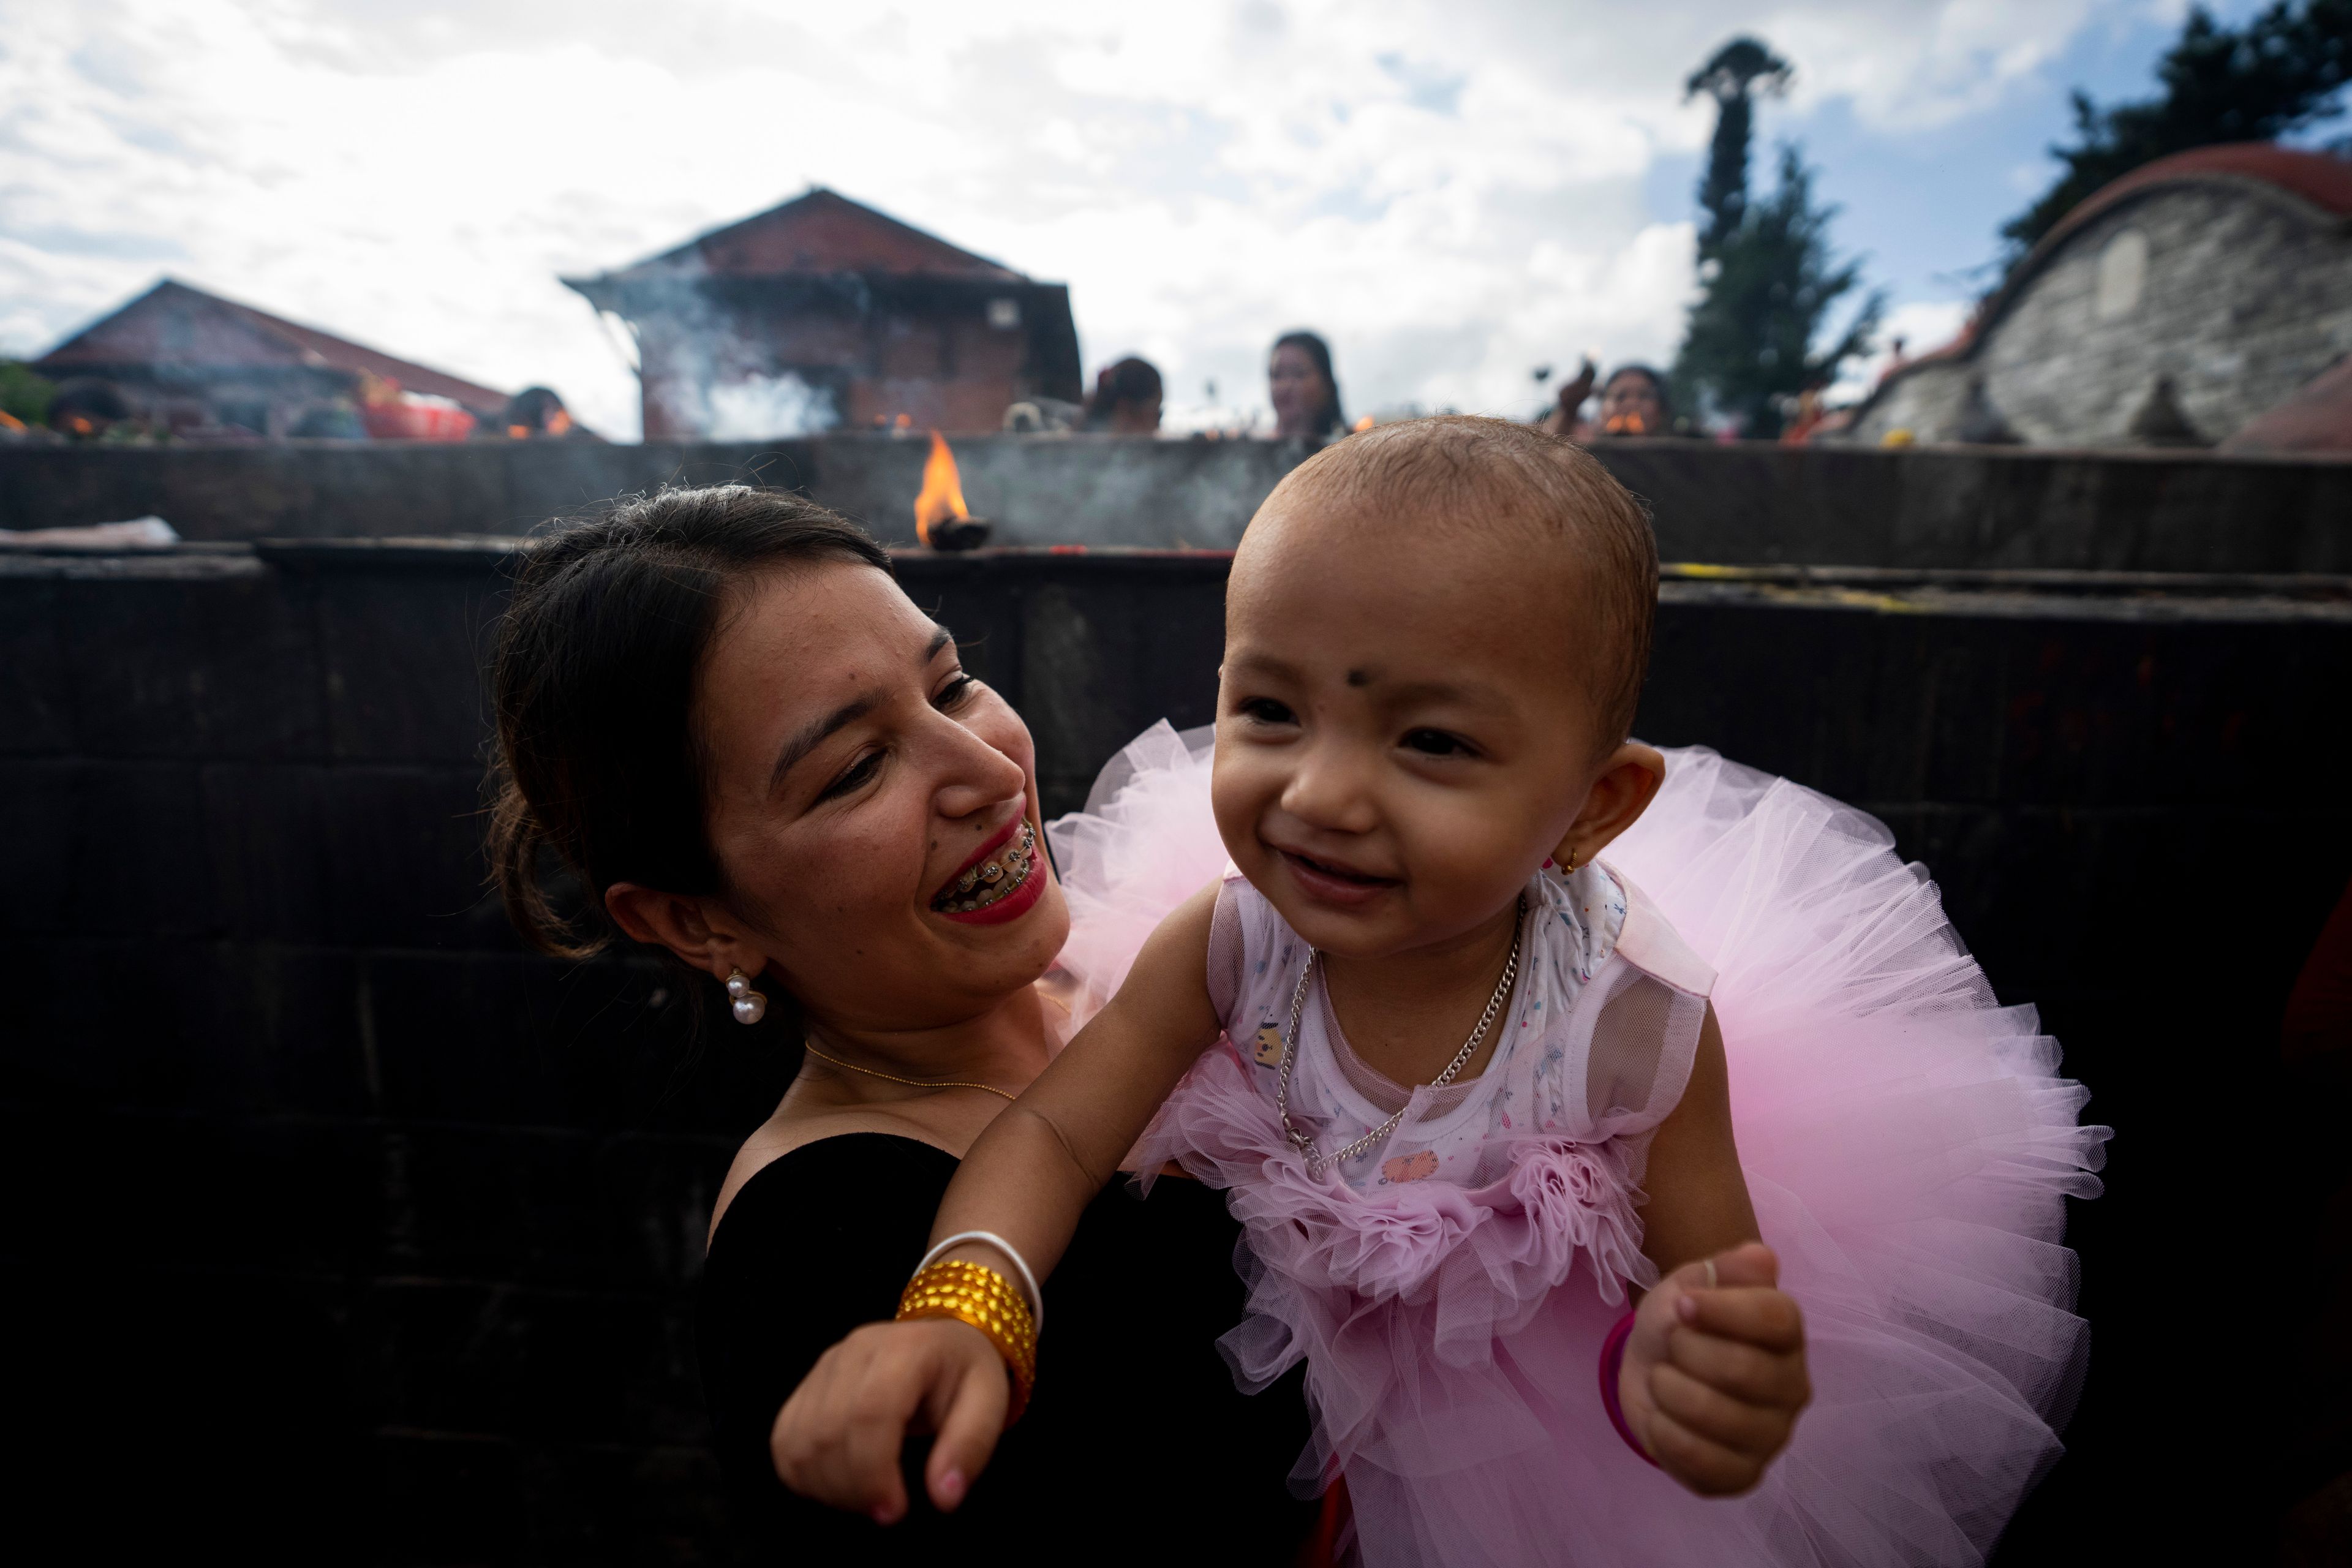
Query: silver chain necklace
pixel 1304 1141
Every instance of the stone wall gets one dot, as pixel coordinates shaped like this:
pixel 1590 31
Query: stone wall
pixel 1746 504
pixel 2237 292
pixel 345 1229
pixel 2245 298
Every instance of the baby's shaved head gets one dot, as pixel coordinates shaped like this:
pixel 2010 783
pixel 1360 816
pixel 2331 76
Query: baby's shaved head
pixel 1487 476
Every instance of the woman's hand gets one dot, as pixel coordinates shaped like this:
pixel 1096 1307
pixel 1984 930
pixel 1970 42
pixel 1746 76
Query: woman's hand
pixel 839 1437
pixel 1714 1376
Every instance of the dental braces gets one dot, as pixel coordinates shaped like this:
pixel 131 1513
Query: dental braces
pixel 995 878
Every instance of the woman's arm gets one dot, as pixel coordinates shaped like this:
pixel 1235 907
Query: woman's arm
pixel 1027 1178
pixel 1714 1374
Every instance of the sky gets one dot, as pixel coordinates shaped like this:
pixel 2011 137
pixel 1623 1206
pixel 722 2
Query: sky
pixel 1453 194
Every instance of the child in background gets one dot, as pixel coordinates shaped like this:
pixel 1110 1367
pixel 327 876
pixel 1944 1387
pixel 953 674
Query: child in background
pixel 1469 1091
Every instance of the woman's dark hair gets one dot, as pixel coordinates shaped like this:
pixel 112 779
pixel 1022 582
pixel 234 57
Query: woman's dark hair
pixel 1330 421
pixel 598 769
pixel 533 407
pixel 1130 381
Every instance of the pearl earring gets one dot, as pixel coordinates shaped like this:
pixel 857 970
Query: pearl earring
pixel 748 1006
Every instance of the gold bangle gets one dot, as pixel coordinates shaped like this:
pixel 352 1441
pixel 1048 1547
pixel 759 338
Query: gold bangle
pixel 975 1294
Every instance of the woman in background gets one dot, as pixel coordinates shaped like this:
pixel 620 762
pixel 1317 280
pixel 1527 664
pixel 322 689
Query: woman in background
pixel 1305 397
pixel 1633 401
pixel 1127 399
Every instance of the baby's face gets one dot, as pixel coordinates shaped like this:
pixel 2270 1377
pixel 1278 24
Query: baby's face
pixel 1404 725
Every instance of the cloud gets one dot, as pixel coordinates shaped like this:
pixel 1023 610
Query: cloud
pixel 1921 326
pixel 1452 192
pixel 1907 68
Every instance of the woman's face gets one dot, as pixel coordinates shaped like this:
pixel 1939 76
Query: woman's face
pixel 1631 406
pixel 859 779
pixel 1299 392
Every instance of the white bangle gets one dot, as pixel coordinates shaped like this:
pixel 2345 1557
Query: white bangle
pixel 1028 1280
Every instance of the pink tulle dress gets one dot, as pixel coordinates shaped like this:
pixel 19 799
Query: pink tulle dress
pixel 1906 1141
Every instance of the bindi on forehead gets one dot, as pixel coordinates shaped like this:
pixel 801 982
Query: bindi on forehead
pixel 1359 676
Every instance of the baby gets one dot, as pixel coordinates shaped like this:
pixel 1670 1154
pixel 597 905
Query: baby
pixel 1471 1097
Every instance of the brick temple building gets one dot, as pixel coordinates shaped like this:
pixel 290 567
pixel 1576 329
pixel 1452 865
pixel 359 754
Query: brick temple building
pixel 2200 299
pixel 188 360
pixel 824 311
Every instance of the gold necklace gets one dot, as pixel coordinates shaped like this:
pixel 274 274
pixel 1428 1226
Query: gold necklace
pixel 894 1077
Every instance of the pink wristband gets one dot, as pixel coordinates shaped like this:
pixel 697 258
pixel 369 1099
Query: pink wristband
pixel 1612 1362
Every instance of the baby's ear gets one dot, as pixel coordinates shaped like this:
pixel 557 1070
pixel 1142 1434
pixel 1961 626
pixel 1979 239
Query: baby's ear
pixel 1628 781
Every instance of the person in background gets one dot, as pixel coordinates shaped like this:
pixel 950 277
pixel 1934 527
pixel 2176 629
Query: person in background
pixel 2316 1079
pixel 1562 418
pixel 1810 416
pixel 2318 1018
pixel 1633 401
pixel 1127 399
pixel 1306 396
pixel 537 411
pixel 87 409
pixel 335 420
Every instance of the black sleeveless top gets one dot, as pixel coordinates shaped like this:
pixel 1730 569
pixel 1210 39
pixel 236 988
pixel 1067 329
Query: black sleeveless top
pixel 1137 1447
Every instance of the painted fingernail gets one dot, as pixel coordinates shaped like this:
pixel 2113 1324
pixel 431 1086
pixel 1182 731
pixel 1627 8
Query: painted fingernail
pixel 951 1488
pixel 1686 1308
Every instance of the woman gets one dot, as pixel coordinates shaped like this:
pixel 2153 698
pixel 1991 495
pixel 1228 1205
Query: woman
pixel 1305 397
pixel 1633 401
pixel 1127 400
pixel 720 718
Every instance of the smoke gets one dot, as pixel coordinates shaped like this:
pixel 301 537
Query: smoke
pixel 709 370
pixel 767 408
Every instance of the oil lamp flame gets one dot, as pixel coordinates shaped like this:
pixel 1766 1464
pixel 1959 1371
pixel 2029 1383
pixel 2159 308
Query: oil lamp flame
pixel 942 499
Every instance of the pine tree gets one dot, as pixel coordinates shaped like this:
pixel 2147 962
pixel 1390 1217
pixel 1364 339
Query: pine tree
pixel 2279 72
pixel 1770 281
pixel 1739 71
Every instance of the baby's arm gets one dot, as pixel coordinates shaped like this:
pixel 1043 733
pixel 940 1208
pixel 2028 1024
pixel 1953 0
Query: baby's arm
pixel 1714 1373
pixel 1027 1178
pixel 1695 1203
pixel 1045 1157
